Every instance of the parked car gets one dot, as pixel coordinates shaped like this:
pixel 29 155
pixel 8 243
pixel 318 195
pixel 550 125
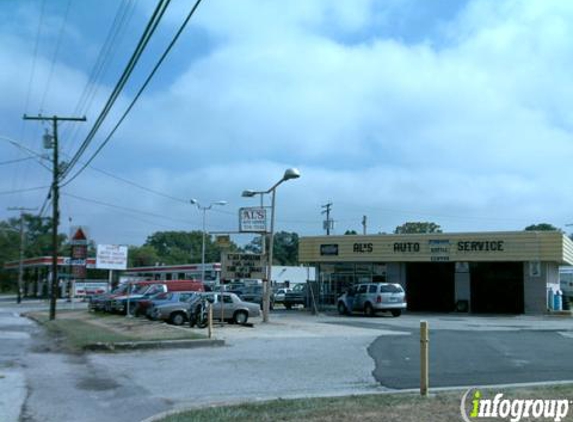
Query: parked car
pixel 145 290
pixel 231 309
pixel 254 294
pixel 296 296
pixel 280 294
pixel 144 306
pixel 371 298
pixel 174 312
pixel 98 302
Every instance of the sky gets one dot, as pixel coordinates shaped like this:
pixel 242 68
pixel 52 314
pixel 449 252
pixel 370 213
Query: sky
pixel 454 112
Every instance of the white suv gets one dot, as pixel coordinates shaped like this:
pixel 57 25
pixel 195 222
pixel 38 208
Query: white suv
pixel 373 297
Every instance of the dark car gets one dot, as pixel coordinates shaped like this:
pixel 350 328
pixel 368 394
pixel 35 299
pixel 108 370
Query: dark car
pixel 253 294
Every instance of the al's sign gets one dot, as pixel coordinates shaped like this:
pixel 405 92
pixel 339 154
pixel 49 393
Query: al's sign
pixel 253 219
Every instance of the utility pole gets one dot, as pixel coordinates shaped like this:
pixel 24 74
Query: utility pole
pixel 55 199
pixel 364 222
pixel 21 263
pixel 328 223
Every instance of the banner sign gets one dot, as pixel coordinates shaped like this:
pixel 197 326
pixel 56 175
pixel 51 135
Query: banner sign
pixel 241 265
pixel 111 257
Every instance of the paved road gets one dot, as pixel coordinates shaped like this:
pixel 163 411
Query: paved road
pixel 295 355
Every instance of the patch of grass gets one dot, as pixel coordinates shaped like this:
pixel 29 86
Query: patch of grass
pixel 444 406
pixel 81 328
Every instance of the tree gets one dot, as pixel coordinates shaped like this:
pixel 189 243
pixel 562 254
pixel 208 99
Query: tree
pixel 285 248
pixel 179 247
pixel 350 232
pixel 142 256
pixel 418 227
pixel 541 227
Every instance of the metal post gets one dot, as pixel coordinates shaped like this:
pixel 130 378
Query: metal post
pixel 266 287
pixel 210 324
pixel 424 358
pixel 203 248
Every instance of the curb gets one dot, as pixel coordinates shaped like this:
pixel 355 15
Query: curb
pixel 149 345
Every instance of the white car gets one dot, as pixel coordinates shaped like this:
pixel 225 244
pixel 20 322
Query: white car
pixel 371 298
pixel 280 295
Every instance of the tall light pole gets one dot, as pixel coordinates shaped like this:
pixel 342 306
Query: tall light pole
pixel 204 209
pixel 291 173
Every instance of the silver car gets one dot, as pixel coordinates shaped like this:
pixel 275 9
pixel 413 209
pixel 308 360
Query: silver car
pixel 174 312
pixel 231 308
pixel 370 298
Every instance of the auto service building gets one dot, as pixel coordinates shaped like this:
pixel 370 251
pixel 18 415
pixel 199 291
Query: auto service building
pixel 486 272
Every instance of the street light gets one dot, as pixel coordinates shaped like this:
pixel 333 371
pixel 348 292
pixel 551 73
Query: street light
pixel 204 209
pixel 291 173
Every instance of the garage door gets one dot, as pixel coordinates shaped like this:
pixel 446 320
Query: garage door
pixel 497 287
pixel 430 286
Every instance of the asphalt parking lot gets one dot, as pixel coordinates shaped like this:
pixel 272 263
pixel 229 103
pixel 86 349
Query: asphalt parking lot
pixel 296 354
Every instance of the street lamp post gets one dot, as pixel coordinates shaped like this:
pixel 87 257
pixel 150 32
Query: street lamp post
pixel 291 173
pixel 205 209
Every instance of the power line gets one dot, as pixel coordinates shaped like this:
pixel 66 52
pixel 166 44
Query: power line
pixel 119 207
pixel 9 192
pixel 156 67
pixel 143 41
pixel 18 160
pixel 56 53
pixel 105 56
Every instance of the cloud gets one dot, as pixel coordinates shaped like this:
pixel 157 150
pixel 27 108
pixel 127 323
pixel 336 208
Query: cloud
pixel 469 125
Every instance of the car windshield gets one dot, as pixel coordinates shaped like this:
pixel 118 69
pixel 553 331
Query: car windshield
pixel 390 288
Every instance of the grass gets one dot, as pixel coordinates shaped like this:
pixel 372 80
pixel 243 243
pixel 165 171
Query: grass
pixel 81 328
pixel 440 407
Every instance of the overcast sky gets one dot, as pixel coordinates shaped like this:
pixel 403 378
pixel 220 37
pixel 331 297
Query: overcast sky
pixel 455 112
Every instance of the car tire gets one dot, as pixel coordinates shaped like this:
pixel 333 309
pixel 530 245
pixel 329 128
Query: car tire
pixel 240 317
pixel 288 306
pixel 396 312
pixel 177 318
pixel 368 310
pixel 342 310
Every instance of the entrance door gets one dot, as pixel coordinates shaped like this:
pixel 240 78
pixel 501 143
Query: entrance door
pixel 430 286
pixel 497 287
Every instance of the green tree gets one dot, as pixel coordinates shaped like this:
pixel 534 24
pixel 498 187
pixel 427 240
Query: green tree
pixel 418 227
pixel 350 232
pixel 285 248
pixel 142 256
pixel 541 227
pixel 179 247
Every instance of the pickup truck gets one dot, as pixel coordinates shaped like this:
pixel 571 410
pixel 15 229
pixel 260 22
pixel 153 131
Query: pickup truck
pixel 297 296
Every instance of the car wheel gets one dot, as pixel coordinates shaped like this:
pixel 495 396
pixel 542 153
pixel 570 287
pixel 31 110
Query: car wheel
pixel 288 305
pixel 342 308
pixel 396 312
pixel 241 317
pixel 177 318
pixel 368 310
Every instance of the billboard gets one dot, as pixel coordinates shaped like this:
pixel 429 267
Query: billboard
pixel 242 265
pixel 253 219
pixel 111 257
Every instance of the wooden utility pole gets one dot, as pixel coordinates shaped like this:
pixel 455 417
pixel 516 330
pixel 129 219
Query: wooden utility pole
pixel 328 224
pixel 55 201
pixel 21 263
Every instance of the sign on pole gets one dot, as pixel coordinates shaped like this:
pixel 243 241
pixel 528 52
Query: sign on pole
pixel 253 219
pixel 111 257
pixel 78 261
pixel 242 265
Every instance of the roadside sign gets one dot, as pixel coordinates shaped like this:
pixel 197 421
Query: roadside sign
pixel 253 219
pixel 111 257
pixel 79 253
pixel 242 265
pixel 223 241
